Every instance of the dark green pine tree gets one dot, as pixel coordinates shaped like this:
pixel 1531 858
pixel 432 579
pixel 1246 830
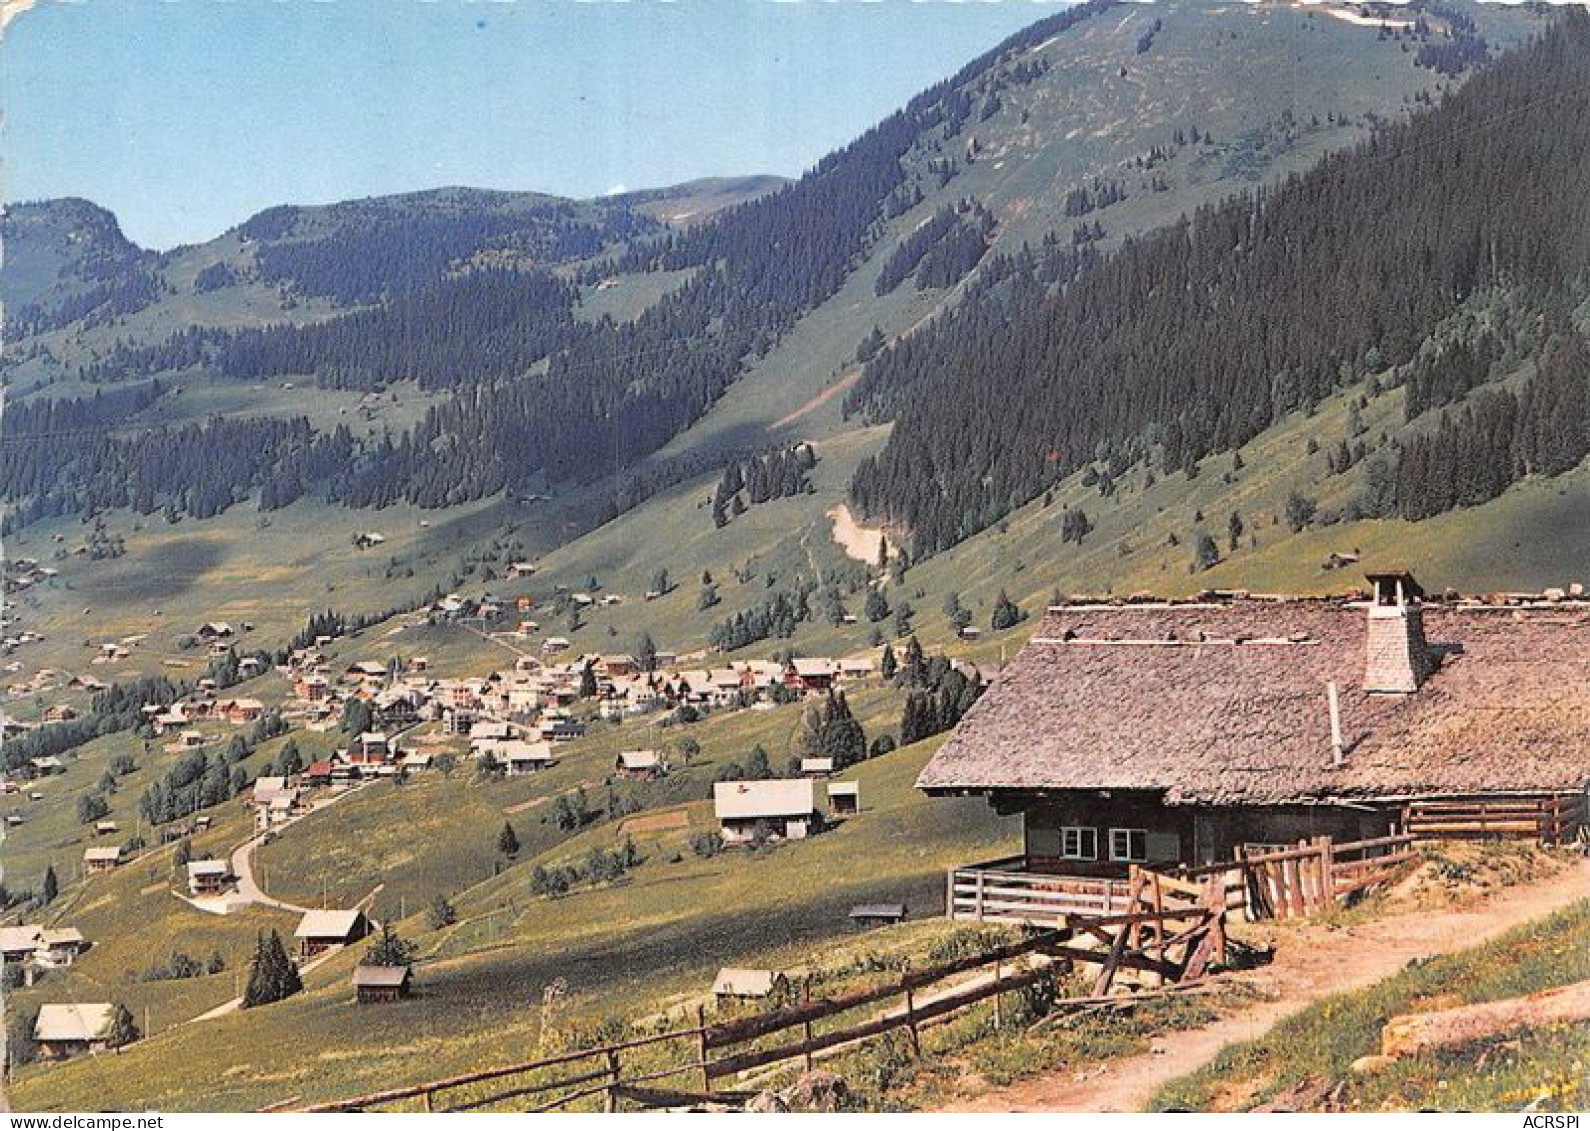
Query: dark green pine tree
pixel 508 840
pixel 272 975
pixel 887 664
pixel 123 1029
pixel 51 886
pixel 913 673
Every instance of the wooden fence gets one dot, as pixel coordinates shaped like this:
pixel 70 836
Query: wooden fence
pixel 1173 934
pixel 1000 892
pixel 1553 819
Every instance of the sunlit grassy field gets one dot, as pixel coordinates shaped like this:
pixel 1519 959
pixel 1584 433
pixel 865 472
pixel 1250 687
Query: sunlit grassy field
pixel 1540 1070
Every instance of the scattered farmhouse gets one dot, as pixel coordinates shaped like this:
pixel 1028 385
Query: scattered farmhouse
pixel 641 764
pixel 97 860
pixel 319 931
pixel 59 946
pixel 520 758
pixel 67 1030
pixel 751 810
pixel 1188 732
pixel 209 877
pixel 814 674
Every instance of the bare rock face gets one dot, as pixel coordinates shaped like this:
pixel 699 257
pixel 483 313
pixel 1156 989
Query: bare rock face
pixel 816 1091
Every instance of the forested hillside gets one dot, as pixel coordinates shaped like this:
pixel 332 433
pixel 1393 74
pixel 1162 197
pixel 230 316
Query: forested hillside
pixel 1196 340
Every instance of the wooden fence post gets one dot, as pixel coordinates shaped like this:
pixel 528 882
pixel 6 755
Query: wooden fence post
pixel 999 1013
pixel 979 895
pixel 949 896
pixel 1159 927
pixel 806 1029
pixel 610 1096
pixel 701 1033
pixel 910 1021
pixel 1327 871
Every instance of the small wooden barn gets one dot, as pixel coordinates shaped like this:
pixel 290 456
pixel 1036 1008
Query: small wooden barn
pixel 844 798
pixel 378 984
pixel 735 983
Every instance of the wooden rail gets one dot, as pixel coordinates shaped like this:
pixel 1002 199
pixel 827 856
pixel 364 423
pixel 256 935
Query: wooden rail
pixel 1167 939
pixel 1553 819
pixel 997 892
pixel 1297 882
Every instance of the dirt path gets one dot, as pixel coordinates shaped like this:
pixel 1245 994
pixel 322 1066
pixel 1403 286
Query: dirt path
pixel 1310 962
pixel 820 399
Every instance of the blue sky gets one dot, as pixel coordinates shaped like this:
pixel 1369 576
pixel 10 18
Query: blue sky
pixel 186 116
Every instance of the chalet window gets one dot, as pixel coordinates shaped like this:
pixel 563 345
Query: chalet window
pixel 1129 844
pixel 1079 844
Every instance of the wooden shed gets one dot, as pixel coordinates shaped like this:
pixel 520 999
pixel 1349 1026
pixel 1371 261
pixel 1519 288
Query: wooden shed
pixel 379 984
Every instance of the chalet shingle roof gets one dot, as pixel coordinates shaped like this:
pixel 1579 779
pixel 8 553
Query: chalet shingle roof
pixel 380 976
pixel 328 924
pixel 752 800
pixel 1226 703
pixel 88 1022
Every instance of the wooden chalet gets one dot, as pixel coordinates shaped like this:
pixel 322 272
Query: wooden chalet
pixel 319 931
pixel 640 764
pixel 1188 733
pixel 749 810
pixel 18 944
pixel 520 758
pixel 209 877
pixel 96 860
pixel 68 1030
pixel 812 674
pixel 379 984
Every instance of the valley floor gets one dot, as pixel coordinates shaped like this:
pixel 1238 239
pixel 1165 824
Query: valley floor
pixel 1311 962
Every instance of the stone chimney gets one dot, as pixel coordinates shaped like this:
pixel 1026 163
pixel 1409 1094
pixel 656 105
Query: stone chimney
pixel 1397 659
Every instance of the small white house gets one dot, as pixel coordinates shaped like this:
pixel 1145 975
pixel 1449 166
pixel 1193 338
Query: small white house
pixel 522 758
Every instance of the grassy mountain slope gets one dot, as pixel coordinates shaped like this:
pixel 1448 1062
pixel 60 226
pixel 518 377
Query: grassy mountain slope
pixel 618 950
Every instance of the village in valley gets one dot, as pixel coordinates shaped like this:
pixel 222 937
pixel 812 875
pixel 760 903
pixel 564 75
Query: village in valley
pixel 1346 800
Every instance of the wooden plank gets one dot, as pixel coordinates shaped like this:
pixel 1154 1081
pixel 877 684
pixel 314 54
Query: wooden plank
pixel 1118 948
pixel 750 1028
pixel 1289 880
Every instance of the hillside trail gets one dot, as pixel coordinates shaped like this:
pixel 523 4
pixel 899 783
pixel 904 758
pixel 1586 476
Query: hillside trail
pixel 1311 961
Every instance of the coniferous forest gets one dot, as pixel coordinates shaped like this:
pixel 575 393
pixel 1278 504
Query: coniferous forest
pixel 1178 345
pixel 1198 338
pixel 541 395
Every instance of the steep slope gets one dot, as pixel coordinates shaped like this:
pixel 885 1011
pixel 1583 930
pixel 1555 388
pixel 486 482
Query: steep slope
pixel 1310 287
pixel 1042 123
